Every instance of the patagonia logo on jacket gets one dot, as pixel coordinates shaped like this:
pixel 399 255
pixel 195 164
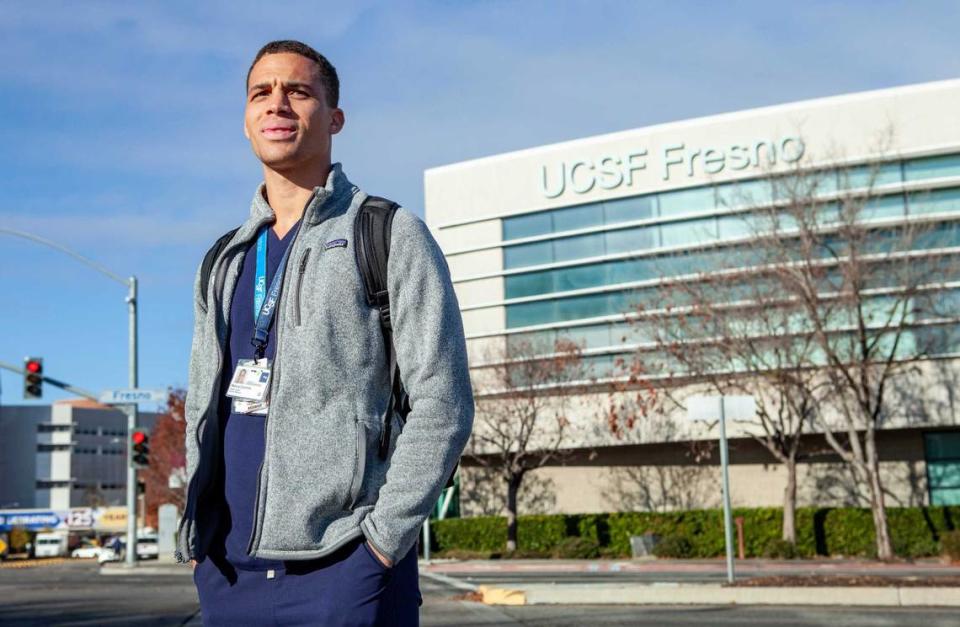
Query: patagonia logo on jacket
pixel 335 243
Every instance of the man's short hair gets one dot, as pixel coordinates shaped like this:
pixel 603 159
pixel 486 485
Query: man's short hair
pixel 328 73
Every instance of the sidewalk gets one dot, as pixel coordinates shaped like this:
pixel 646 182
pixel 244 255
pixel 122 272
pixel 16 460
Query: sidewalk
pixel 667 582
pixel 753 567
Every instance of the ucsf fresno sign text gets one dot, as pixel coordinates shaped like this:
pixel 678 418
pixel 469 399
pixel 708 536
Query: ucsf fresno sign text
pixel 675 160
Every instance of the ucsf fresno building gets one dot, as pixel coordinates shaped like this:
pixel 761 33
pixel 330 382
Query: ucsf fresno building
pixel 562 241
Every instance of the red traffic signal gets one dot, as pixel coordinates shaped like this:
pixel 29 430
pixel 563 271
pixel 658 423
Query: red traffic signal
pixel 33 379
pixel 139 451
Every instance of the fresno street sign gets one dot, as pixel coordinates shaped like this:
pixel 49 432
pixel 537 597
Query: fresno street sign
pixel 675 160
pixel 127 397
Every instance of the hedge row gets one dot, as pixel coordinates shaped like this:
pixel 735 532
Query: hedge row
pixel 820 531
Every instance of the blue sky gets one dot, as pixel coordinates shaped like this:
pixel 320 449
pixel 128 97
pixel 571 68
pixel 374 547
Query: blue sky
pixel 122 122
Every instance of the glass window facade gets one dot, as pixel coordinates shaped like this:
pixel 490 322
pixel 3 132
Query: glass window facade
pixel 943 467
pixel 697 238
pixel 686 262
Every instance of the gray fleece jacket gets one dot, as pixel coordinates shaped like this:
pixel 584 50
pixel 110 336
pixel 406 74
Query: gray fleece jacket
pixel 322 482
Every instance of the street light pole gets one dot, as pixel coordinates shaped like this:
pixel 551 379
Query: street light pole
pixel 131 559
pixel 727 515
pixel 131 284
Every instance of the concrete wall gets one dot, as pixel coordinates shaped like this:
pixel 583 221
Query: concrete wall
pixel 18 454
pixel 680 476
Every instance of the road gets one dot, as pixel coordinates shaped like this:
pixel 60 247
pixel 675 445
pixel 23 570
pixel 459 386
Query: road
pixel 73 593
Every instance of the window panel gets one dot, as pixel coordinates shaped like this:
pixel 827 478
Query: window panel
pixel 520 285
pixel 686 201
pixel 688 233
pixel 629 209
pixel 515 227
pixel 580 217
pixel 935 201
pixel 940 497
pixel 579 247
pixel 581 277
pixel 579 307
pixel 943 445
pixel 532 254
pixel 525 344
pixel 931 167
pixel 528 314
pixel 632 270
pixel 735 226
pixel 744 194
pixel 883 207
pixel 592 336
pixel 944 474
pixel 630 240
pixel 869 176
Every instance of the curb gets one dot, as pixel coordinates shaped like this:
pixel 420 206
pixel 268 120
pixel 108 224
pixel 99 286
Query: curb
pixel 120 571
pixel 715 594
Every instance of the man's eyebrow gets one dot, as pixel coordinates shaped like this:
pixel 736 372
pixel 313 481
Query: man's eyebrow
pixel 287 84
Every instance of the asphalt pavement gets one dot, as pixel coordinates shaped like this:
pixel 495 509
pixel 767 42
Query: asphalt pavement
pixel 74 593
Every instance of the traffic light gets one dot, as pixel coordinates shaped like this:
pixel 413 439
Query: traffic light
pixel 33 378
pixel 140 451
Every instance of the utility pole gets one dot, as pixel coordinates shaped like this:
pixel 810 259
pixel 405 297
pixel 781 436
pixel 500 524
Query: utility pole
pixel 131 426
pixel 131 284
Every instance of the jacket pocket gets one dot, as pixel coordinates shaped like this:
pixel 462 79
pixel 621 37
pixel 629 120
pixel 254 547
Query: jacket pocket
pixel 359 467
pixel 301 270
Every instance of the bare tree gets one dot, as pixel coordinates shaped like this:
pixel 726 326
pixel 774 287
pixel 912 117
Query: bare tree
pixel 866 279
pixel 747 346
pixel 524 396
pixel 836 294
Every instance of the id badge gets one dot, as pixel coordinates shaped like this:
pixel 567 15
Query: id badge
pixel 250 385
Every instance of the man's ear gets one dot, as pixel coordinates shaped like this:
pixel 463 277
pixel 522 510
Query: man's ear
pixel 246 133
pixel 336 121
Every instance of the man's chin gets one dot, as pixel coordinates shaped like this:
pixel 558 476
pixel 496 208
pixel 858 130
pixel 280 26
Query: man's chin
pixel 279 161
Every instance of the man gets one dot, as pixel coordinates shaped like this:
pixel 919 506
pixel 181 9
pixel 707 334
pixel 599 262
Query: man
pixel 293 516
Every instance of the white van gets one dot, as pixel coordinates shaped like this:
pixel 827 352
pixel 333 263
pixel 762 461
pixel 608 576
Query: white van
pixel 50 544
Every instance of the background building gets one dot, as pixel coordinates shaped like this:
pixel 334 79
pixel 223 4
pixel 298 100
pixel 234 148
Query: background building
pixel 69 454
pixel 562 241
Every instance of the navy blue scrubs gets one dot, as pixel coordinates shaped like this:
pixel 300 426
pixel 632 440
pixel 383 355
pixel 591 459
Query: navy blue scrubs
pixel 350 586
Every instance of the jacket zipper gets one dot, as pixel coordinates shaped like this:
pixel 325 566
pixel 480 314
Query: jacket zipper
pixel 254 536
pixel 302 271
pixel 214 392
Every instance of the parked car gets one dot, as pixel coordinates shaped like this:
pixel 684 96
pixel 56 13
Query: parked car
pixel 50 544
pixel 115 550
pixel 87 550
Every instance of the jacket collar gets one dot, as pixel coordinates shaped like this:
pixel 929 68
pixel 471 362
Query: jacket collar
pixel 334 196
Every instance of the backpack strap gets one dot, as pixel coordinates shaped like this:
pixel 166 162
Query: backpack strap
pixel 206 268
pixel 372 230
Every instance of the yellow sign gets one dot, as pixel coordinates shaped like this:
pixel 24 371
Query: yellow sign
pixel 111 519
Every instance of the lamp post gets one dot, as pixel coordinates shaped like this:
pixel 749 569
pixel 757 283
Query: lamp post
pixel 131 284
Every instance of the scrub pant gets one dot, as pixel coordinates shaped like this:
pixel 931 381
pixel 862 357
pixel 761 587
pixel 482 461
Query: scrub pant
pixel 348 587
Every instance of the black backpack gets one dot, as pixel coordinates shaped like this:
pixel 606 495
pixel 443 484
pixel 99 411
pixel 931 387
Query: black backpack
pixel 372 229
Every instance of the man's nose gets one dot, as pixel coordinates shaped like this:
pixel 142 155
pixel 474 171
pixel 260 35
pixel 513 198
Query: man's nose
pixel 278 101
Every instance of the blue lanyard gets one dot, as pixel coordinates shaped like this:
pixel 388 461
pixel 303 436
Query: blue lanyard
pixel 260 283
pixel 268 305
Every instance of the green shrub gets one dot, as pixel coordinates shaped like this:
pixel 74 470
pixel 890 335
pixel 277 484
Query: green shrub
pixel 781 549
pixel 675 546
pixel 577 548
pixel 480 533
pixel 950 545
pixel 915 531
